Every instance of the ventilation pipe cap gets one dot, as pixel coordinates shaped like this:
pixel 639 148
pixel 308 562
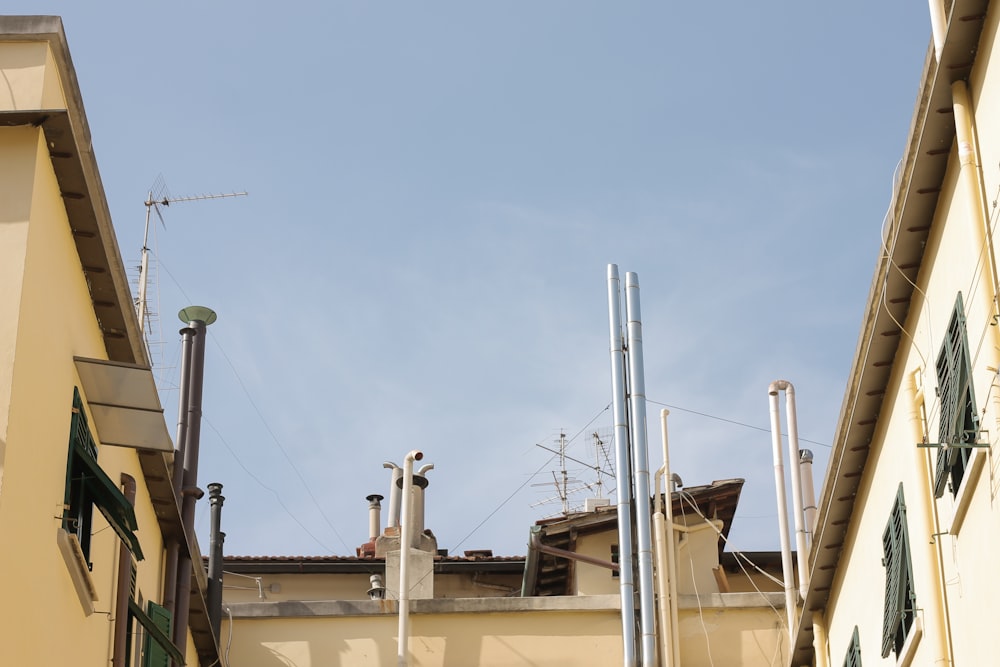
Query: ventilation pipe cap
pixel 197 314
pixel 377 591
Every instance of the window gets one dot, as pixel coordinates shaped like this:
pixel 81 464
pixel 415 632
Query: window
pixel 853 657
pixel 959 423
pixel 88 486
pixel 900 600
pixel 615 557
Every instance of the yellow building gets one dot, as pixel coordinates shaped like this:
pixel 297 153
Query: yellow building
pixel 86 503
pixel 558 606
pixel 903 566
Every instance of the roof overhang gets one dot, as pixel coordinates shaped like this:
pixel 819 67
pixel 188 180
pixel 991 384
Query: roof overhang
pixel 124 404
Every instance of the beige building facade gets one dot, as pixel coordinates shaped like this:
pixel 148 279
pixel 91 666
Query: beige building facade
pixel 902 562
pixel 86 506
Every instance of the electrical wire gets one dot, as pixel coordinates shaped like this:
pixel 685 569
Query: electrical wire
pixel 731 421
pixel 270 432
pixel 264 486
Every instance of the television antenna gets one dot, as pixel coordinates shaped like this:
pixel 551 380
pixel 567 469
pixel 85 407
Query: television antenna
pixel 154 204
pixel 564 484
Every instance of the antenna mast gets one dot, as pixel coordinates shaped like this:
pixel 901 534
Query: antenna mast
pixel 151 204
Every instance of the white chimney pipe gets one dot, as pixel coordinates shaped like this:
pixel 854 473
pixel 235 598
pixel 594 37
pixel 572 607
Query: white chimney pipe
pixel 779 482
pixel 404 556
pixel 808 493
pixel 392 519
pixel 374 510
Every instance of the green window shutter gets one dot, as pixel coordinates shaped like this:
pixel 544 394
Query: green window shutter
pixel 891 561
pixel 958 422
pixel 853 657
pixel 87 484
pixel 900 600
pixel 157 647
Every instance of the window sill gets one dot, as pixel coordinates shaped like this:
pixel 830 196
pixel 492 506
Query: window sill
pixel 910 645
pixel 76 566
pixel 964 496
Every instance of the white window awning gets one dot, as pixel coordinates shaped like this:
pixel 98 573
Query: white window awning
pixel 124 404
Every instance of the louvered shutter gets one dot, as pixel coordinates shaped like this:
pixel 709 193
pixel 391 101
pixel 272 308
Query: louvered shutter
pixel 893 563
pixel 853 657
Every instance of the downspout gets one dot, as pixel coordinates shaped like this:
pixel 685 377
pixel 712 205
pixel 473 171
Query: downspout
pixel 216 540
pixel 820 642
pixel 177 476
pixel 123 585
pixel 640 470
pixel 405 538
pixel 199 319
pixel 670 649
pixel 939 26
pixel 971 173
pixel 625 583
pixel 938 615
pixel 779 483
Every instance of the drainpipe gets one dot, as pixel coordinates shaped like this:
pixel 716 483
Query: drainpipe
pixel 971 176
pixel 216 540
pixel 640 470
pixel 666 566
pixel 820 643
pixel 936 615
pixel 405 538
pixel 626 585
pixel 939 26
pixel 808 493
pixel 198 319
pixel 177 477
pixel 123 585
pixel 779 483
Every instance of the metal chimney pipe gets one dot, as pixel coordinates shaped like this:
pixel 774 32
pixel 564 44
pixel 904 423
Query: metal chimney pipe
pixel 392 520
pixel 623 467
pixel 216 540
pixel 640 471
pixel 177 477
pixel 374 513
pixel 198 319
pixel 808 493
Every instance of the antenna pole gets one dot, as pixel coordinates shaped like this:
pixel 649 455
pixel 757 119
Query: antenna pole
pixel 140 303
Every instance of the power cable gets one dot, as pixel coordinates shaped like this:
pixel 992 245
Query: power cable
pixel 731 421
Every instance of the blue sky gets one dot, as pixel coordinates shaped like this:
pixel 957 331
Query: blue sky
pixel 436 190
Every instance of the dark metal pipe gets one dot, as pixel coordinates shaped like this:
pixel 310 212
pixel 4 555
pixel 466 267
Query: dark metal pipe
pixel 177 480
pixel 216 540
pixel 123 589
pixel 189 490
